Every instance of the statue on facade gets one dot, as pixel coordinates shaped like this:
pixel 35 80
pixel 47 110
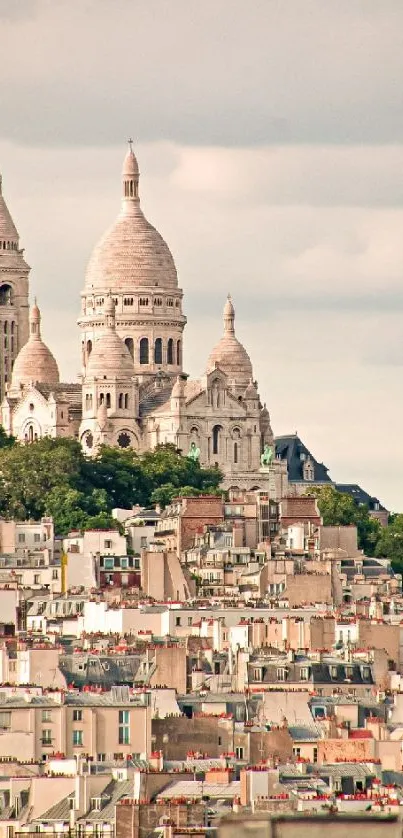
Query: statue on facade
pixel 194 452
pixel 267 456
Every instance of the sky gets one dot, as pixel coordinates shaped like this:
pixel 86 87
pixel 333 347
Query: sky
pixel 269 136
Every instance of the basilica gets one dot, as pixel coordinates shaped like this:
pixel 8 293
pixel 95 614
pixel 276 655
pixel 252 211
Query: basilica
pixel 133 391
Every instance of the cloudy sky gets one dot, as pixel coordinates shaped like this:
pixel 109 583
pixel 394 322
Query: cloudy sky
pixel 270 141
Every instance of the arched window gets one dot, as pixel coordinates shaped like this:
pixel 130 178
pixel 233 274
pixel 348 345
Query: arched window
pixel 89 348
pixel 101 398
pixel 158 351
pixel 217 439
pixel 108 399
pixel 5 295
pixel 5 327
pixel 120 401
pixel 178 353
pixel 144 351
pixel 235 452
pixel 170 351
pixel 130 346
pixel 126 401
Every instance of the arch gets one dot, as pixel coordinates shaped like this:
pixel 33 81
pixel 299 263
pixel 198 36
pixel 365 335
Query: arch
pixel 5 294
pixel 178 353
pixel 217 439
pixel 120 401
pixel 130 345
pixel 158 351
pixel 101 398
pixel 236 432
pixel 236 452
pixel 89 348
pixel 108 399
pixel 126 401
pixel 170 351
pixel 144 352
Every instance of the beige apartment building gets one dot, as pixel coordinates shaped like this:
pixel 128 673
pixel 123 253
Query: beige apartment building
pixel 105 727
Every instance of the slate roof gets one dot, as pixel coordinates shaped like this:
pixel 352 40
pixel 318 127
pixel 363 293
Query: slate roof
pixel 196 788
pixel 290 448
pixel 360 496
pixel 60 811
pixel 154 400
pixel 302 732
pixel 105 670
pixel 110 795
pixel 69 392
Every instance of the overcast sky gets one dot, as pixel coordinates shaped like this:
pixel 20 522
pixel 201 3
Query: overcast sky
pixel 269 136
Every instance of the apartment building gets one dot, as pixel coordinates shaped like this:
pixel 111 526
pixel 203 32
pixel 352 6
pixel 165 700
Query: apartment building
pixel 106 726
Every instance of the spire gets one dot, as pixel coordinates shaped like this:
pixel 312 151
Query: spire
pixel 130 179
pixel 35 322
pixel 229 317
pixel 110 313
pixel 9 239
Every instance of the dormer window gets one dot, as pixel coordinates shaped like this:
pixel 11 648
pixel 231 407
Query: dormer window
pixel 308 470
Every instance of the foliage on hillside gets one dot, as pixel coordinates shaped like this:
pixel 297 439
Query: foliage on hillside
pixel 340 509
pixel 53 477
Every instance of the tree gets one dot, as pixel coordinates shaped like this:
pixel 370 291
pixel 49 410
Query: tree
pixel 340 509
pixel 390 543
pixel 53 477
pixel 29 472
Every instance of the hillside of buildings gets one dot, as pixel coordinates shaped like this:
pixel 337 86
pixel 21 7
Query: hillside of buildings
pixel 54 477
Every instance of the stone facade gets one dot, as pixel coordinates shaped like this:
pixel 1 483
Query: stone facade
pixel 134 392
pixel 14 273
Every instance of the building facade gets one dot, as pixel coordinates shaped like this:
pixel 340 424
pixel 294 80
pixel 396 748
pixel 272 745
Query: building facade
pixel 134 392
pixel 14 274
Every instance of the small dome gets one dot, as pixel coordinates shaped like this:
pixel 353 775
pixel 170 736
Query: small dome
pixel 131 253
pixel 229 354
pixel 34 362
pixel 109 307
pixel 130 165
pixel 229 310
pixel 35 316
pixel 110 357
pixel 264 416
pixel 177 389
pixel 251 392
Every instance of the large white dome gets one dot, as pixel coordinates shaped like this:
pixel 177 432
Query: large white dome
pixel 131 253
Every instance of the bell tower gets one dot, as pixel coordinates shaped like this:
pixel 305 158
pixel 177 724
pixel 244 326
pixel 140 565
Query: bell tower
pixel 14 308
